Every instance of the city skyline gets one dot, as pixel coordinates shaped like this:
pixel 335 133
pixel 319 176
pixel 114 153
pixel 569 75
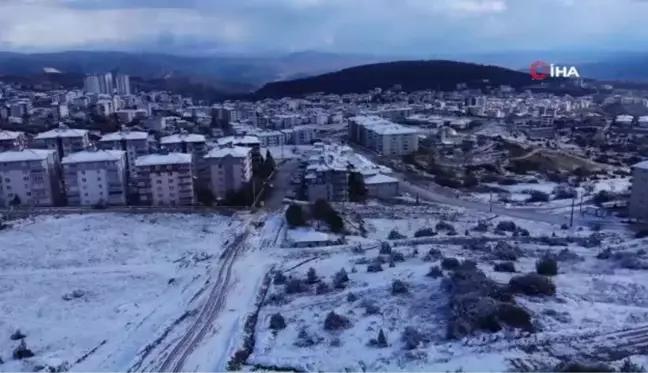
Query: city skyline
pixel 415 26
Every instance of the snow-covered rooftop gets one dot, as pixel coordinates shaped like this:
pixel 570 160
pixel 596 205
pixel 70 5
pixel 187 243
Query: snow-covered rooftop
pixel 380 179
pixel 238 140
pixel 643 165
pixel 383 126
pixel 25 155
pixel 163 159
pixel 232 151
pixel 342 158
pixel 304 235
pixel 125 135
pixel 182 137
pixel 88 156
pixel 61 132
pixel 10 135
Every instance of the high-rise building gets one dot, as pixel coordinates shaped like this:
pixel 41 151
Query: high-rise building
pixel 91 84
pixel 123 84
pixel 99 83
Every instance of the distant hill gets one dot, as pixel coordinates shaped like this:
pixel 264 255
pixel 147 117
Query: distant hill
pixel 226 69
pixel 629 67
pixel 411 75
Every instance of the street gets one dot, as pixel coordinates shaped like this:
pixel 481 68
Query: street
pixel 286 169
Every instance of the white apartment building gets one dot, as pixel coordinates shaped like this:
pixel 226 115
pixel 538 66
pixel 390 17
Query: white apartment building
pixel 29 177
pixel 134 143
pixel 383 136
pixel 185 143
pixel 166 179
pixel 123 85
pixel 230 169
pixel 63 140
pixel 12 140
pixel 95 177
pixel 638 205
pixel 271 138
pixel 300 135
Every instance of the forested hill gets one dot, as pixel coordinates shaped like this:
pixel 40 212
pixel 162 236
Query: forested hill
pixel 410 75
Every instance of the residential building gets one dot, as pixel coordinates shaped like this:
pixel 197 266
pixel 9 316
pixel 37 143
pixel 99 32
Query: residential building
pixel 383 136
pixel 12 140
pixel 134 143
pixel 185 143
pixel 91 84
pixel 123 84
pixel 63 140
pixel 230 169
pixel 166 179
pixel 99 83
pixel 29 177
pixel 246 141
pixel 638 205
pixel 95 177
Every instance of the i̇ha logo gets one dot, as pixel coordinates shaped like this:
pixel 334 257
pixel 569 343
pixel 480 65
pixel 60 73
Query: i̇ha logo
pixel 541 70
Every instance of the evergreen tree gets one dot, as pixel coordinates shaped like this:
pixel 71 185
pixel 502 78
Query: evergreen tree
pixel 269 164
pixel 357 187
pixel 295 216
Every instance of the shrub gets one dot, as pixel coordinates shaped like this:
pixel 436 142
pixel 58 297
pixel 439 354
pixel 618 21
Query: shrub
pixel 630 367
pixel 532 284
pixel 506 251
pixel 547 266
pixel 311 276
pixel 279 278
pixel 371 308
pixel 504 267
pixel 382 339
pixel 444 226
pixel 322 288
pixel 397 256
pixel 295 216
pixel 538 196
pixel 22 352
pixel 17 335
pixel 411 338
pixel 435 272
pixel 351 297
pixel 582 367
pixel 385 248
pixel 374 267
pixel 481 227
pixel 306 339
pixel 433 254
pixel 506 226
pixel 340 279
pixel 277 322
pixel 425 232
pixel 294 286
pixel 395 235
pixel 399 287
pixel 334 321
pixel 450 263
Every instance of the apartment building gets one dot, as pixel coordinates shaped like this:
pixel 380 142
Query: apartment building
pixel 134 143
pixel 246 141
pixel 29 177
pixel 12 140
pixel 230 169
pixel 63 140
pixel 185 143
pixel 638 205
pixel 166 179
pixel 95 177
pixel 383 136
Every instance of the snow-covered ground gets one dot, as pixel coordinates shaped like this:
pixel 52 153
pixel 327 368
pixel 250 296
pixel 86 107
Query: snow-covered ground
pixel 108 282
pixel 288 151
pixel 596 299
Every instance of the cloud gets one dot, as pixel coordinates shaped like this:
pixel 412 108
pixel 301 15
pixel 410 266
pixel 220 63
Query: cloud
pixel 424 27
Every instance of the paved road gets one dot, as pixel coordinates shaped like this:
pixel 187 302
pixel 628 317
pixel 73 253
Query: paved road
pixel 286 170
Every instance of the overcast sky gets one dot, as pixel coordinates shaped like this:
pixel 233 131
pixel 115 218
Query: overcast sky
pixel 364 26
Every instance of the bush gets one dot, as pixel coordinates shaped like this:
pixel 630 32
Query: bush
pixel 371 308
pixel 395 235
pixel 538 196
pixel 433 254
pixel 630 367
pixel 382 339
pixel 582 367
pixel 351 297
pixel 279 278
pixel 340 279
pixel 334 321
pixel 450 263
pixel 435 272
pixel 17 335
pixel 22 352
pixel 506 226
pixel 444 226
pixel 411 338
pixel 397 256
pixel 564 193
pixel 448 182
pixel 399 287
pixel 294 286
pixel 322 288
pixel 306 339
pixel 295 216
pixel 311 276
pixel 547 266
pixel 532 284
pixel 506 251
pixel 374 267
pixel 385 248
pixel 277 322
pixel 425 232
pixel 481 227
pixel 504 267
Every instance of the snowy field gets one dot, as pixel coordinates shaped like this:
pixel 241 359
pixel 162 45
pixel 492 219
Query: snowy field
pixel 595 301
pixel 104 282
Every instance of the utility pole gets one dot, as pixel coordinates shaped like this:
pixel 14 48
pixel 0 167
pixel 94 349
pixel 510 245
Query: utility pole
pixel 490 202
pixel 580 207
pixel 571 217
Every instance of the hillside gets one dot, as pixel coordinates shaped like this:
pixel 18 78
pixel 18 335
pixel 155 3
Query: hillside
pixel 250 70
pixel 411 75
